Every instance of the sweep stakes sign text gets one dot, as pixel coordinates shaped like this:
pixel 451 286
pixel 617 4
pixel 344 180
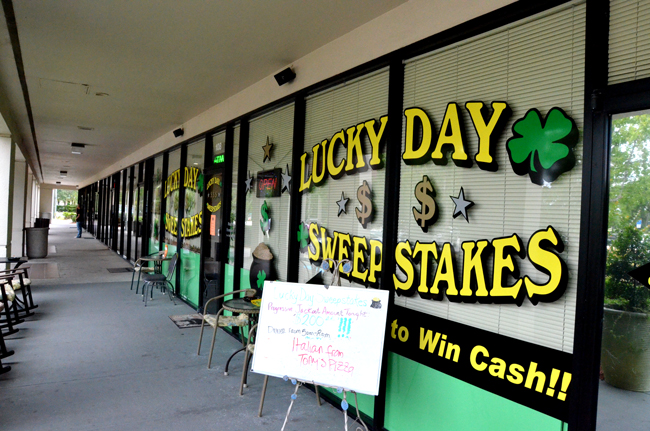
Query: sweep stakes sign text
pixel 331 336
pixel 508 267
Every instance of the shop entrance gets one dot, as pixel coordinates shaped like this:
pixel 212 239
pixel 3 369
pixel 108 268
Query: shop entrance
pixel 624 389
pixel 111 213
pixel 138 220
pixel 213 252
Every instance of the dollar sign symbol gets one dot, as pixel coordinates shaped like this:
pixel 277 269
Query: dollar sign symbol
pixel 265 223
pixel 424 193
pixel 363 194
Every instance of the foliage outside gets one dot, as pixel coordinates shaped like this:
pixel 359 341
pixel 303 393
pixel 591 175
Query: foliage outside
pixel 628 251
pixel 66 197
pixel 66 208
pixel 629 204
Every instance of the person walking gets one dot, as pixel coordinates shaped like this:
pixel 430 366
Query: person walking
pixel 79 220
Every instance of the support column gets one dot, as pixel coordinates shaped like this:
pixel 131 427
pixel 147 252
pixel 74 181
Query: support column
pixel 46 201
pixel 29 197
pixel 6 195
pixel 19 201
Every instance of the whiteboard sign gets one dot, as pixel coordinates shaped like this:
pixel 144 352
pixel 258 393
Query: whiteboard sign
pixel 333 337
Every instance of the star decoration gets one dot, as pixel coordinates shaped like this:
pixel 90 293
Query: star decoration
pixel 286 179
pixel 267 150
pixel 462 205
pixel 249 182
pixel 342 204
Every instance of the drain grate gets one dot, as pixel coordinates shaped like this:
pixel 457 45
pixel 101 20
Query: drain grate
pixel 116 270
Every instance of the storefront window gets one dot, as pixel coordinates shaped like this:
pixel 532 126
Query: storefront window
pixel 138 209
pixel 484 186
pixel 214 253
pixel 232 224
pixel 157 189
pixel 127 220
pixel 95 209
pixel 625 357
pixel 343 195
pixel 266 222
pixel 121 214
pixel 191 223
pixel 171 192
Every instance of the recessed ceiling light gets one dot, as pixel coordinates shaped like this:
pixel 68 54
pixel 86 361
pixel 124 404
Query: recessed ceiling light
pixel 58 182
pixel 101 94
pixel 63 173
pixel 85 128
pixel 77 148
pixel 195 163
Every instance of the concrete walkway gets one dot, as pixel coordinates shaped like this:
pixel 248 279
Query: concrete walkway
pixel 79 260
pixel 94 358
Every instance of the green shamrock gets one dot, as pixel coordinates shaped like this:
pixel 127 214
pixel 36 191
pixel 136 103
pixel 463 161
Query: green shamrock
pixel 543 148
pixel 199 184
pixel 303 236
pixel 261 276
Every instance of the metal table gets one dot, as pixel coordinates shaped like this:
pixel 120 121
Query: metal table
pixel 10 260
pixel 241 306
pixel 157 262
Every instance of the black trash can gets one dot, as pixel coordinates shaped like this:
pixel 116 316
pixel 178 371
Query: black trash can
pixel 36 240
pixel 212 287
pixel 42 222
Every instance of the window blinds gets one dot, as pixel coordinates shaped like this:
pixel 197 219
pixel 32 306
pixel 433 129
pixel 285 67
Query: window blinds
pixel 277 126
pixel 537 63
pixel 327 113
pixel 629 40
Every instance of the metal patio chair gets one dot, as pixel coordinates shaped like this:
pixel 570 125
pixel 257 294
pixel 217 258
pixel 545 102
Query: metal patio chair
pixel 220 321
pixel 139 267
pixel 10 308
pixel 20 282
pixel 160 279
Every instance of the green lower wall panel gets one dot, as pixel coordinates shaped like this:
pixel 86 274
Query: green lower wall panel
pixel 189 267
pixel 419 398
pixel 229 278
pixel 245 282
pixel 171 249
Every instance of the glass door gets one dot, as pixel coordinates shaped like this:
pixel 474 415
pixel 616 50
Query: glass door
pixel 138 220
pixel 111 199
pixel 213 253
pixel 624 389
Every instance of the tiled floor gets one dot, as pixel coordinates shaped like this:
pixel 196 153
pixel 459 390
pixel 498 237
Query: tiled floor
pixel 622 410
pixel 42 271
pixel 94 358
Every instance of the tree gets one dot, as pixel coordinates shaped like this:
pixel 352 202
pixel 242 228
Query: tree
pixel 67 197
pixel 628 203
pixel 630 172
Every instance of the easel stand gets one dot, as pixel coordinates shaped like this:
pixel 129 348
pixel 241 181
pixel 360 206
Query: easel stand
pixel 344 403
